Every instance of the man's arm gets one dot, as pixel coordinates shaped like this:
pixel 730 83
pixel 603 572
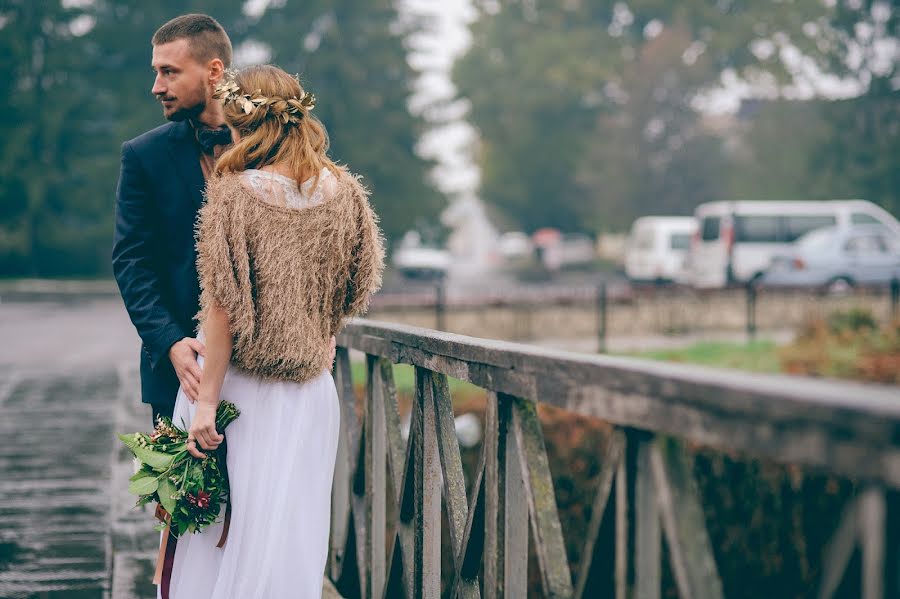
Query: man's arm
pixel 132 260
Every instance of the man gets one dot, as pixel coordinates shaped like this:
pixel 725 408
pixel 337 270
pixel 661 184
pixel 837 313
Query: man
pixel 160 190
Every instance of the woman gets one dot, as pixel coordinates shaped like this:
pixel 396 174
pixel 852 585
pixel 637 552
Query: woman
pixel 288 248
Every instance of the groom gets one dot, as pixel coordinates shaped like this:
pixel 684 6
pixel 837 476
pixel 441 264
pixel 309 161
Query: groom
pixel 160 190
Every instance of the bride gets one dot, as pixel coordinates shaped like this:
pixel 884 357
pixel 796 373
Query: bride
pixel 288 248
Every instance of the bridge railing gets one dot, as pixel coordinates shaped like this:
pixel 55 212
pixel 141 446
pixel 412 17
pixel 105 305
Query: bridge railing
pixel 384 484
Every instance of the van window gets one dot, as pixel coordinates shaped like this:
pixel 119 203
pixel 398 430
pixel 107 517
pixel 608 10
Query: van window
pixel 710 228
pixel 680 241
pixel 797 226
pixel 861 218
pixel 756 229
pixel 867 244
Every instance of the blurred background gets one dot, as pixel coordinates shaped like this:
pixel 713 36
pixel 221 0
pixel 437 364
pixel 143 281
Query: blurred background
pixel 492 130
pixel 705 181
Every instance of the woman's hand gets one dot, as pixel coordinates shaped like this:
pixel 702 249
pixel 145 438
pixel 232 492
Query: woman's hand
pixel 203 429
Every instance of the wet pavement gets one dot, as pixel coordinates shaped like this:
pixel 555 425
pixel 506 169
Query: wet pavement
pixel 67 384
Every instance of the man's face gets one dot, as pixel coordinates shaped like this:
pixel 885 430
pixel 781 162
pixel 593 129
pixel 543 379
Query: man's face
pixel 181 83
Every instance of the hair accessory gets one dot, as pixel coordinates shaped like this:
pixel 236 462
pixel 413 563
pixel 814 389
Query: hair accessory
pixel 289 110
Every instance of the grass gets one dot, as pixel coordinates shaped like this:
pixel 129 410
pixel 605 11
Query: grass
pixel 755 356
pixel 405 379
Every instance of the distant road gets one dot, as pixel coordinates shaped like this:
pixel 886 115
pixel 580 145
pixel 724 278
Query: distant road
pixel 67 333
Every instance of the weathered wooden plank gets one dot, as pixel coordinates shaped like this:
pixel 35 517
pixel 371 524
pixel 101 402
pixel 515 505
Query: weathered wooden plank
pixel 684 523
pixel 494 452
pixel 535 468
pixel 471 552
pixel 515 552
pixel 872 517
pixel 340 488
pixel 506 505
pixel 609 466
pixel 840 550
pixel 647 538
pixel 451 461
pixel 404 542
pixel 427 489
pixel 832 395
pixel 453 478
pixel 622 523
pixel 847 428
pixel 375 472
pixel 358 509
pixel 396 448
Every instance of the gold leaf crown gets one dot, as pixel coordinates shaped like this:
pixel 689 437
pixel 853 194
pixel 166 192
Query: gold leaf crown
pixel 289 110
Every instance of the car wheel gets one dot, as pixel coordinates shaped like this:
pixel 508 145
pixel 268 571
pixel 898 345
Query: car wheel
pixel 839 286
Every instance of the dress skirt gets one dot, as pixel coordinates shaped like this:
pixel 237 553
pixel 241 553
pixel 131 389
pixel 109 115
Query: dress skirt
pixel 281 455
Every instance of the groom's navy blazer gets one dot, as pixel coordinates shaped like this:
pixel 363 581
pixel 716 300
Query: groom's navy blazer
pixel 154 256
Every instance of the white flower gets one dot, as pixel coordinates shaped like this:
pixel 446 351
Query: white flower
pixel 137 464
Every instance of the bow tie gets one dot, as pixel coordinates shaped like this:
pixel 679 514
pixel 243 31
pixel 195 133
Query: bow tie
pixel 209 138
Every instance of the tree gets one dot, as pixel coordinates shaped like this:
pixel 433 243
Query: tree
pixel 609 89
pixel 78 85
pixel 350 54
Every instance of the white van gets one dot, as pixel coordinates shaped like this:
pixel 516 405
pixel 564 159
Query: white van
pixel 736 241
pixel 657 247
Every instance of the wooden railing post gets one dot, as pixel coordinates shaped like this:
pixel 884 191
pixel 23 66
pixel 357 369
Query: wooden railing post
pixel 534 466
pixel 375 471
pixel 340 488
pixel 506 509
pixel 647 539
pixel 426 494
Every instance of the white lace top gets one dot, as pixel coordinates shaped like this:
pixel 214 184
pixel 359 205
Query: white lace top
pixel 279 190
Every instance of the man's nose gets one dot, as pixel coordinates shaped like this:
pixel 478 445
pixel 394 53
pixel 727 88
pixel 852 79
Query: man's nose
pixel 158 87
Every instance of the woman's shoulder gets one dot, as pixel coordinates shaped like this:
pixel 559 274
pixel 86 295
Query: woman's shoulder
pixel 350 184
pixel 223 186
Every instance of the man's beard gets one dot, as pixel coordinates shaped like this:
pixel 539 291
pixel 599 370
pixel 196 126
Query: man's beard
pixel 182 114
pixel 193 110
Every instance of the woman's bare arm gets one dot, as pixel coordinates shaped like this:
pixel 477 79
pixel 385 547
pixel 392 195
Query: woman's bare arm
pixel 217 330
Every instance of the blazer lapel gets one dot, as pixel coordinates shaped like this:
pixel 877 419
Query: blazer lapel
pixel 186 156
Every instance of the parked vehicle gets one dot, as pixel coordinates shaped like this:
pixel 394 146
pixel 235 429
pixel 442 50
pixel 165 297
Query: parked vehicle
pixel 416 260
pixel 836 259
pixel 657 247
pixel 735 241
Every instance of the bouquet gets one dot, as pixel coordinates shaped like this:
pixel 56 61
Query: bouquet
pixel 190 490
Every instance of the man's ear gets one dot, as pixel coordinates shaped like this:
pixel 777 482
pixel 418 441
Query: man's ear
pixel 216 70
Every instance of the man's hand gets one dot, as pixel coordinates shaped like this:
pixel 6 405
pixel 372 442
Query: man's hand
pixel 183 355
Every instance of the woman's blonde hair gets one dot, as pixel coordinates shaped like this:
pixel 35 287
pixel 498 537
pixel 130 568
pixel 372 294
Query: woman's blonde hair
pixel 270 110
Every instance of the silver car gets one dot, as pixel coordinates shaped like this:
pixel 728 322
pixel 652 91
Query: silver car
pixel 836 259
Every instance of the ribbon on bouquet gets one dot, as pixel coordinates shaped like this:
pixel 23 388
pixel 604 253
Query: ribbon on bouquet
pixel 166 557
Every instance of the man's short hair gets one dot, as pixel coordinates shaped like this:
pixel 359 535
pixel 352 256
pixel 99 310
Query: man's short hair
pixel 206 38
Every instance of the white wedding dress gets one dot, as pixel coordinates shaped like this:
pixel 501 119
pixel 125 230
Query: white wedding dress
pixel 281 454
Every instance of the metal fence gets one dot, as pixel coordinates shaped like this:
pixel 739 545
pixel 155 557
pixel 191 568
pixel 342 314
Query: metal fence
pixel 384 484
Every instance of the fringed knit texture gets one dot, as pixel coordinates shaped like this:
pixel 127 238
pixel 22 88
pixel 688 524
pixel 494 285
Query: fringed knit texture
pixel 287 277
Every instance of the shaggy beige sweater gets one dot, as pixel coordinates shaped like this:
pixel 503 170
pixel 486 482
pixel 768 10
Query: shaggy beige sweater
pixel 287 277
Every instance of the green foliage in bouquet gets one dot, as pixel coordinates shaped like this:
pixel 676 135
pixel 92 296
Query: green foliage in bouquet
pixel 190 489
